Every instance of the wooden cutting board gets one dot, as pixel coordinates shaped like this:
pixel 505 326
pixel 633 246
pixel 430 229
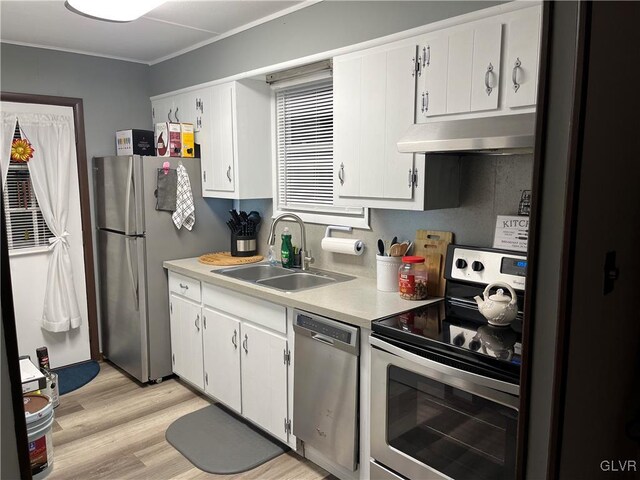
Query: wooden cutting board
pixel 225 259
pixel 432 245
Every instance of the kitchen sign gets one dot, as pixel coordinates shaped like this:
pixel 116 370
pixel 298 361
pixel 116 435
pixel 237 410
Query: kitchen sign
pixel 512 233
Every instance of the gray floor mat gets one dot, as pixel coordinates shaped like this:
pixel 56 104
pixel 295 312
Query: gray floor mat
pixel 218 441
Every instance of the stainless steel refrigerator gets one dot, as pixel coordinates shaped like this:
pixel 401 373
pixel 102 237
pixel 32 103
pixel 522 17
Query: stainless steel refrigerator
pixel 133 239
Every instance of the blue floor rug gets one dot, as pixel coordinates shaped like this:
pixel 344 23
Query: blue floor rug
pixel 73 377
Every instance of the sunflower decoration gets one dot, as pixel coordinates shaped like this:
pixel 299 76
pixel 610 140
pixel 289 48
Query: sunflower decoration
pixel 21 150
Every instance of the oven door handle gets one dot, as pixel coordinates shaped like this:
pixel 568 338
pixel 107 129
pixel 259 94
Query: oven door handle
pixel 446 370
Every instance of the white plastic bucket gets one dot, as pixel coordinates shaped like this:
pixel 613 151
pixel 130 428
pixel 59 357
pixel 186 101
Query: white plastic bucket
pixel 387 273
pixel 38 410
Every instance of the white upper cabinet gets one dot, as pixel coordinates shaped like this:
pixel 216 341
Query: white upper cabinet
pixel 374 102
pixel 521 64
pixel 238 161
pixel 485 75
pixel 433 57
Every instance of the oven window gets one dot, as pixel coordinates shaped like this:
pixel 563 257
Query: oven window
pixel 454 432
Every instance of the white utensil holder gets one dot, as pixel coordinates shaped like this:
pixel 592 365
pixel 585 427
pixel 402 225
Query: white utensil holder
pixel 387 272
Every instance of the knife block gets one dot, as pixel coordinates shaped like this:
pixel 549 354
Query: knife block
pixel 243 245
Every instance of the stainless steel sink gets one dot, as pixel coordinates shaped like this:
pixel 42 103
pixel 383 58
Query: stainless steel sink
pixel 253 273
pixel 284 279
pixel 297 281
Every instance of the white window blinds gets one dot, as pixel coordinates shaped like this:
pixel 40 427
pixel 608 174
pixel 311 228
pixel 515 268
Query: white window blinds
pixel 25 224
pixel 305 146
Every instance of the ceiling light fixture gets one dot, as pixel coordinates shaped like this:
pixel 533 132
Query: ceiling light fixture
pixel 113 10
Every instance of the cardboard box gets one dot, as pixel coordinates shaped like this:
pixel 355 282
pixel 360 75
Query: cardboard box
pixel 512 233
pixel 187 140
pixel 167 139
pixel 32 378
pixel 134 142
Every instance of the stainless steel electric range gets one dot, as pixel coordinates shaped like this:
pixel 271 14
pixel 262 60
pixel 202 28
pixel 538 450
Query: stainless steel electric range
pixel 445 383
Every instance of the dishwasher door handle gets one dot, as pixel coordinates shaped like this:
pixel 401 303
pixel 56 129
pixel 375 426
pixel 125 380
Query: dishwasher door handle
pixel 321 338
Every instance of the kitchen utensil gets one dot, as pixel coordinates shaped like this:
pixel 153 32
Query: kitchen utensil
pixel 499 309
pixel 432 245
pixel 408 248
pixel 394 241
pixel 380 247
pixel 398 249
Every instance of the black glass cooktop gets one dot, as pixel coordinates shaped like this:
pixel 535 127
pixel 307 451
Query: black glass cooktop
pixel 454 328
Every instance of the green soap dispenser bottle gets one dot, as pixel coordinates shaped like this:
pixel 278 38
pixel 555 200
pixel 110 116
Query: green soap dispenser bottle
pixel 286 252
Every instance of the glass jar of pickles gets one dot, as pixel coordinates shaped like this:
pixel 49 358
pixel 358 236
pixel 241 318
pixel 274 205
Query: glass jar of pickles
pixel 412 278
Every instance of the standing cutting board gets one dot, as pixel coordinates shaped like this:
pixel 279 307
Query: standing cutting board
pixel 432 245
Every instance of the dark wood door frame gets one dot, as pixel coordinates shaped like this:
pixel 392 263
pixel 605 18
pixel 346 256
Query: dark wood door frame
pixel 85 205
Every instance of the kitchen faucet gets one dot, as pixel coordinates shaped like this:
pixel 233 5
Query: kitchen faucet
pixel 304 259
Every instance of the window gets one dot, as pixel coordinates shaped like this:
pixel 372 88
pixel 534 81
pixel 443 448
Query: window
pixel 25 224
pixel 304 130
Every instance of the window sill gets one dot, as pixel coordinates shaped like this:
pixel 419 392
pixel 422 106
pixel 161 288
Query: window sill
pixel 330 219
pixel 28 251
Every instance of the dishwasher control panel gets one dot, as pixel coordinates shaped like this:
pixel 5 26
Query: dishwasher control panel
pixel 326 330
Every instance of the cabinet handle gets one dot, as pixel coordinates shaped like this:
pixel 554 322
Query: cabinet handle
pixel 426 56
pixel 197 322
pixel 245 344
pixel 204 322
pixel 186 287
pixel 204 176
pixel 176 115
pixel 173 358
pixel 415 177
pixel 423 109
pixel 153 113
pixel 514 75
pixel 206 378
pixel 426 102
pixel 169 114
pixel 229 173
pixel 341 174
pixel 487 76
pixel 171 308
pixel 234 339
pixel 410 177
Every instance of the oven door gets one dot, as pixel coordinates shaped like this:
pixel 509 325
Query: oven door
pixel 435 421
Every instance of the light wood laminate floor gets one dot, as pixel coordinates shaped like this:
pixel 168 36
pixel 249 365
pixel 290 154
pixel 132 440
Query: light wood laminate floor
pixel 113 428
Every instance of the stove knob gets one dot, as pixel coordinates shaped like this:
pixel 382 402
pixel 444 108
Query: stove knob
pixel 458 340
pixel 474 345
pixel 477 266
pixel 461 263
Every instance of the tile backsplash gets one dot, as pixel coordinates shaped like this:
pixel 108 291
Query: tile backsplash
pixel 490 185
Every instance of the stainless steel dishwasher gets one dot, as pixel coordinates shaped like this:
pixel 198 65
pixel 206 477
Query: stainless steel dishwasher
pixel 325 393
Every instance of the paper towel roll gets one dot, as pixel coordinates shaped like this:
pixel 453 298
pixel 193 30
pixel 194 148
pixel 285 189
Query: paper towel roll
pixel 342 245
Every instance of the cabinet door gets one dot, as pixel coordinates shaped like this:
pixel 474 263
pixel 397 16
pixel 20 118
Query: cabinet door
pixel 347 77
pixel 459 72
pixel 264 379
pixel 222 138
pixel 204 137
pixel 431 98
pixel 160 109
pixel 399 116
pixel 186 340
pixel 221 343
pixel 485 81
pixel 523 45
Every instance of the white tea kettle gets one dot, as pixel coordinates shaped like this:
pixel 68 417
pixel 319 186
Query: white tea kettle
pixel 498 309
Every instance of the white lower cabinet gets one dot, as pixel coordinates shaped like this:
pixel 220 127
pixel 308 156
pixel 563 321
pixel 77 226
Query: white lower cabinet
pixel 234 348
pixel 221 344
pixel 186 339
pixel 264 379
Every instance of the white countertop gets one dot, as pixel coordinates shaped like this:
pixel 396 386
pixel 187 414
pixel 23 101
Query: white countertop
pixel 356 301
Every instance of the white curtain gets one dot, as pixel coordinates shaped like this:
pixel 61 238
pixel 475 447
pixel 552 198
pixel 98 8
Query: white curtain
pixel 8 129
pixel 50 170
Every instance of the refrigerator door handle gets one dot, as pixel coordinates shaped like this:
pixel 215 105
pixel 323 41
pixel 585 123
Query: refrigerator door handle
pixel 127 201
pixel 134 283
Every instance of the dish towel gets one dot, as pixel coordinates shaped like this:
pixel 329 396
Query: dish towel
pixel 166 192
pixel 185 214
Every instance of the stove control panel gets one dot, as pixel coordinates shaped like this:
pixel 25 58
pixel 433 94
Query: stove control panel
pixel 486 266
pixel 468 338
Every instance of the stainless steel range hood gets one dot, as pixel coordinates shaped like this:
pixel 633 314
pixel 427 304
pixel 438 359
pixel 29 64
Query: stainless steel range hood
pixel 499 135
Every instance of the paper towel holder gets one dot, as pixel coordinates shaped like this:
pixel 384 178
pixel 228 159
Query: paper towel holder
pixel 340 228
pixel 354 247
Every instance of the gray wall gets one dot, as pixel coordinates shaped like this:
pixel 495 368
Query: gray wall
pixel 489 186
pixel 115 94
pixel 319 28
